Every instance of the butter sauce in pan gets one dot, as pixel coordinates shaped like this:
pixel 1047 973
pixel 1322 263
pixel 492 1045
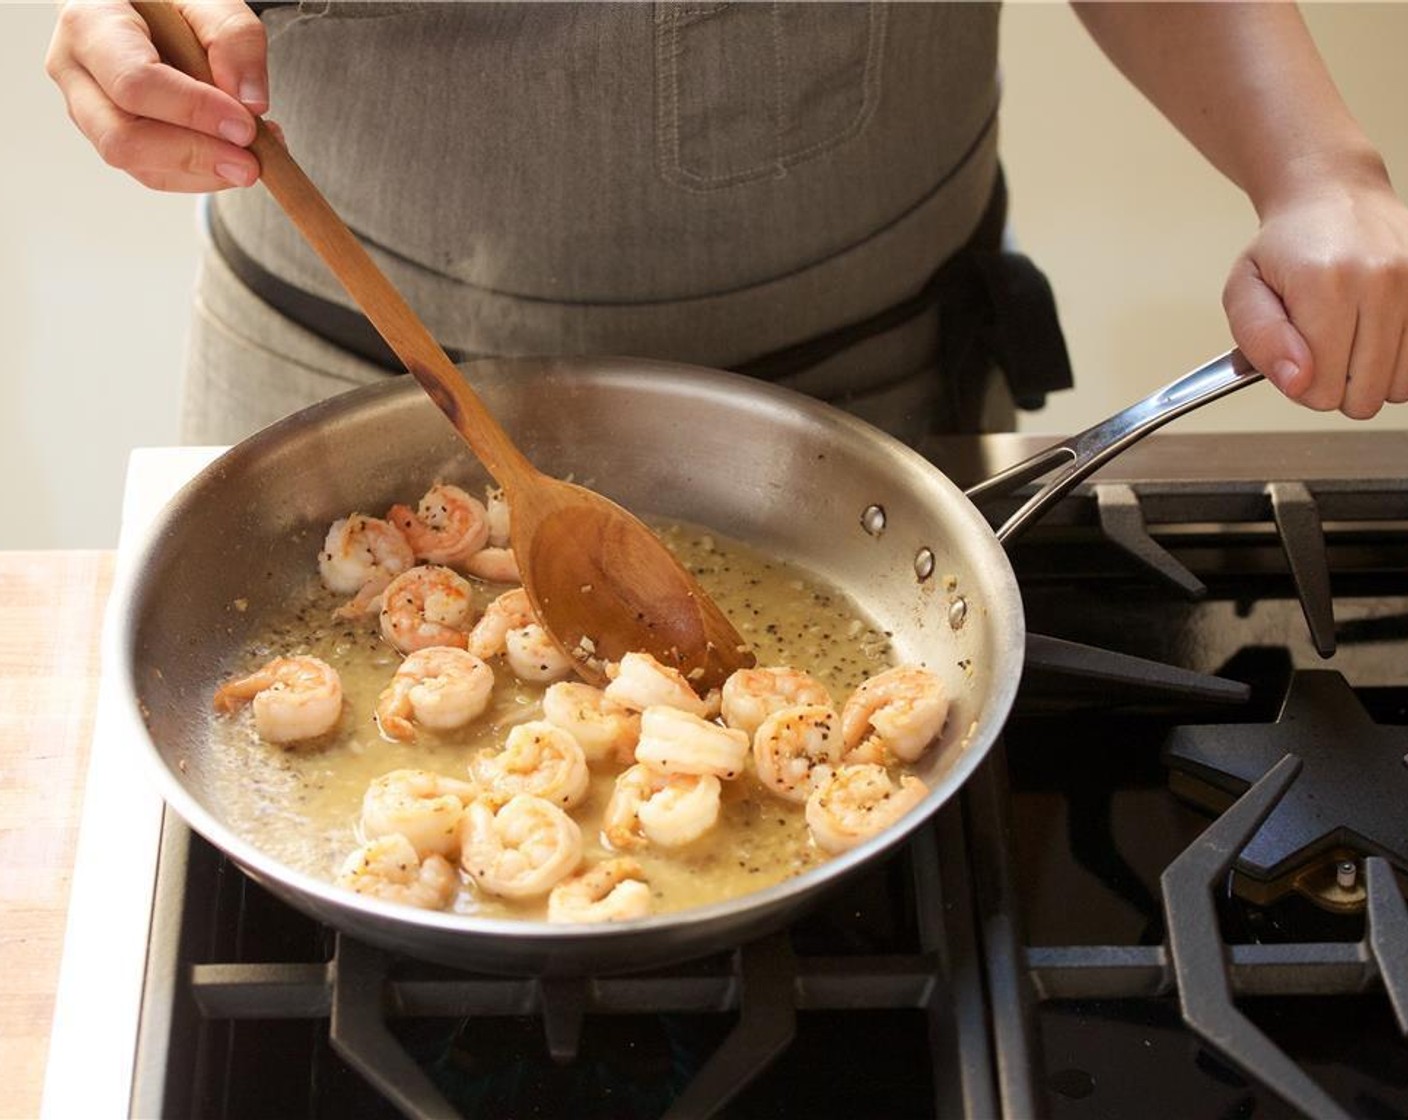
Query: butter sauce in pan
pixel 303 803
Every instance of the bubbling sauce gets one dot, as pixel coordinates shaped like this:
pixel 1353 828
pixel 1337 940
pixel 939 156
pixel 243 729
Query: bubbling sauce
pixel 302 805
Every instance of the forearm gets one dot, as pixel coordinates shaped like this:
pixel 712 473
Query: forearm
pixel 1246 85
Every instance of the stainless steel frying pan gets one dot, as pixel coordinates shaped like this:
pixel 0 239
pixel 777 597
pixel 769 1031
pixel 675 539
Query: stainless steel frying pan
pixel 794 477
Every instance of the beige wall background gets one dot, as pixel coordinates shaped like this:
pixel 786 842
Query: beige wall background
pixel 1136 232
pixel 1133 229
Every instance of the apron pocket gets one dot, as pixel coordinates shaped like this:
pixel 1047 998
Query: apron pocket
pixel 746 91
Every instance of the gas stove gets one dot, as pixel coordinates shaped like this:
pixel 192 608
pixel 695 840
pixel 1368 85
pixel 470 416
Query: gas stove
pixel 1210 884
pixel 1175 887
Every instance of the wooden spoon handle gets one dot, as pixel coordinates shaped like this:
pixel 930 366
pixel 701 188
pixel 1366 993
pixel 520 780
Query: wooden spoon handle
pixel 315 218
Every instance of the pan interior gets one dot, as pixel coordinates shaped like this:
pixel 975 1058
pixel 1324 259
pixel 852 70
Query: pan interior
pixel 794 479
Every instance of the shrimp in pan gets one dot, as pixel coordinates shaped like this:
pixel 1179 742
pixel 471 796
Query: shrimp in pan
pixel 447 527
pixel 894 715
pixel 639 681
pixel 510 611
pixel 664 809
pixel 439 687
pixel 361 551
pixel 495 562
pixel 749 696
pixel 614 890
pixel 522 849
pixel 857 802
pixel 294 698
pixel 796 748
pixel 497 565
pixel 388 868
pixel 422 806
pixel 605 730
pixel 536 758
pixel 677 742
pixel 424 606
pixel 367 601
pixel 534 656
pixel 496 516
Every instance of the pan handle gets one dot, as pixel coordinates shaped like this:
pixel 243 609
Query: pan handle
pixel 1077 456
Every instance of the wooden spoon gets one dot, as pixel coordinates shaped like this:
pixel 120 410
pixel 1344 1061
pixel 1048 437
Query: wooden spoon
pixel 600 581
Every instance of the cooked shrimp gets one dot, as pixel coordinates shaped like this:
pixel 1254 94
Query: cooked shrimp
pixel 361 550
pixel 510 611
pixel 614 890
pixel 639 681
pixel 523 849
pixel 496 516
pixel 368 600
pixel 533 656
pixel 438 687
pixel 422 806
pixel 677 742
pixel 664 809
pixel 858 801
pixel 295 698
pixel 797 748
pixel 426 606
pixel 536 758
pixel 497 565
pixel 751 695
pixel 895 714
pixel 388 868
pixel 605 730
pixel 448 526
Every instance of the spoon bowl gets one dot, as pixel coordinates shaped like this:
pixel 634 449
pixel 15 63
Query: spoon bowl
pixel 624 590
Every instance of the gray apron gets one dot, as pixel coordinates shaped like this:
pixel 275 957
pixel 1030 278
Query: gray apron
pixel 711 183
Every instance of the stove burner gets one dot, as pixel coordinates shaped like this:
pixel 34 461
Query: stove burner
pixel 1347 802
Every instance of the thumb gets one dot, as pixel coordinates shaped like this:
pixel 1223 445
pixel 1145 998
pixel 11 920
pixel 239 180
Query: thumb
pixel 1264 332
pixel 234 40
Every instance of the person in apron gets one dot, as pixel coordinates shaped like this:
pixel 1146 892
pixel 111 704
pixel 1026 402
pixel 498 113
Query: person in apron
pixel 809 193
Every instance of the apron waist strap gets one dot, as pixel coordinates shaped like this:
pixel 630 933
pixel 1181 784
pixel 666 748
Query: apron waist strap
pixel 342 326
pixel 996 308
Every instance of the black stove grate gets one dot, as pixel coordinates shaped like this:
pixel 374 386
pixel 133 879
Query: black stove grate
pixel 1149 985
pixel 1350 795
pixel 768 1030
pixel 1197 953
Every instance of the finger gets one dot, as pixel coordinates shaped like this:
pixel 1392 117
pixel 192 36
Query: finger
pixel 1370 368
pixel 1324 308
pixel 1328 317
pixel 159 155
pixel 1398 383
pixel 116 50
pixel 1391 297
pixel 234 41
pixel 1264 332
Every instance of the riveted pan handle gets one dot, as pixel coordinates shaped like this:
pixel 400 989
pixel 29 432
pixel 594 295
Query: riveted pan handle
pixel 1070 460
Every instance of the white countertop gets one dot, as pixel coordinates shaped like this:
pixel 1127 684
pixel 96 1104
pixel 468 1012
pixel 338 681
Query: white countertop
pixel 94 1036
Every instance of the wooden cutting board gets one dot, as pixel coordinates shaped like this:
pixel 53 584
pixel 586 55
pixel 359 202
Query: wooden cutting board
pixel 51 608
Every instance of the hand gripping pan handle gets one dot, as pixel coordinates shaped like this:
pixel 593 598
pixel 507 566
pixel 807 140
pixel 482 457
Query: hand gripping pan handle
pixel 1074 458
